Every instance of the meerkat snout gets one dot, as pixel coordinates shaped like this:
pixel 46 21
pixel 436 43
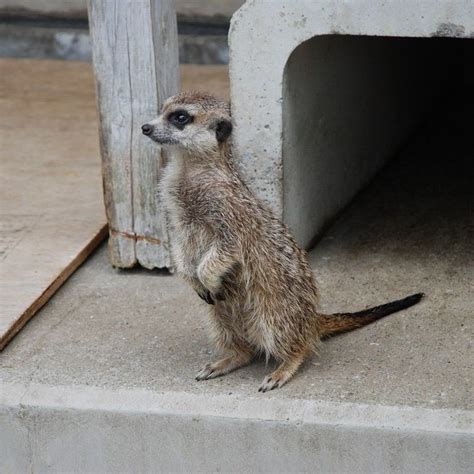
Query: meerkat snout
pixel 147 129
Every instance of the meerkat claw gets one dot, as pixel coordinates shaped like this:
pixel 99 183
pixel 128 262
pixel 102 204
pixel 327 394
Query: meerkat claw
pixel 205 373
pixel 269 384
pixel 206 296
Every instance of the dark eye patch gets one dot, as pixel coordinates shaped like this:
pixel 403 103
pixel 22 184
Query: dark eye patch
pixel 179 118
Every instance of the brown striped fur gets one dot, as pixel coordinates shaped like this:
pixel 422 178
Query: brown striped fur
pixel 234 252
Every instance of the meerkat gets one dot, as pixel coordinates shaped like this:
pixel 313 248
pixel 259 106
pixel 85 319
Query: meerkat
pixel 240 258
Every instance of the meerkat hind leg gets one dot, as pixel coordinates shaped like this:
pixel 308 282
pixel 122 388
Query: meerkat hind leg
pixel 224 366
pixel 282 374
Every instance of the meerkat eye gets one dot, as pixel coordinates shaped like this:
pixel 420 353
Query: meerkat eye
pixel 182 118
pixel 179 118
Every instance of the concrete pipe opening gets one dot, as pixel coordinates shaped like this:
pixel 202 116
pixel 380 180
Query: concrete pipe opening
pixel 351 103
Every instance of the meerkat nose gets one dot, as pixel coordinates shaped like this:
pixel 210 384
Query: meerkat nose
pixel 146 129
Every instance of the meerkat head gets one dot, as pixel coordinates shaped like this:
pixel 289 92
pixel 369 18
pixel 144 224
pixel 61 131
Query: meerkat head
pixel 196 122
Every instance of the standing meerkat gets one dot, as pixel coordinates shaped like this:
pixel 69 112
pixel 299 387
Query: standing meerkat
pixel 235 253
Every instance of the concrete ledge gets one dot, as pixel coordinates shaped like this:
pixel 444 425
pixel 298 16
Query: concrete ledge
pixel 78 429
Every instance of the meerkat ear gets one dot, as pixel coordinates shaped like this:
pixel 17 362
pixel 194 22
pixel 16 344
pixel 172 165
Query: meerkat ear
pixel 223 129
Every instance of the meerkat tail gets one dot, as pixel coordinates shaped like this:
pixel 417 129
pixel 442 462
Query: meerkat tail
pixel 342 322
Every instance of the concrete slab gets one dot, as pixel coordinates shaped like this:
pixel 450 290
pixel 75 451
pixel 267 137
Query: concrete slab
pixel 103 378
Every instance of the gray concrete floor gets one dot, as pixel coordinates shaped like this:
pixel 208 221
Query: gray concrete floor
pixel 411 230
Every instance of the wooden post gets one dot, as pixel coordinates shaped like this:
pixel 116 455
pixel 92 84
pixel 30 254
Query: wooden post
pixel 135 52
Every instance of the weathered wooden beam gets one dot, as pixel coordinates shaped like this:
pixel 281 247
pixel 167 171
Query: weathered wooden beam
pixel 135 53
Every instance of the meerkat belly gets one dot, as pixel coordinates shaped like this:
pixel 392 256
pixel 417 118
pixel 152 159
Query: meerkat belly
pixel 185 238
pixel 189 242
pixel 191 246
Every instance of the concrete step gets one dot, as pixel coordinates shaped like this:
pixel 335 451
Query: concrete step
pixel 90 429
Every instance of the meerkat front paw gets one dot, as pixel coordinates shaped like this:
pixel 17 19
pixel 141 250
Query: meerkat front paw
pixel 213 284
pixel 203 292
pixel 210 298
pixel 206 296
pixel 216 293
